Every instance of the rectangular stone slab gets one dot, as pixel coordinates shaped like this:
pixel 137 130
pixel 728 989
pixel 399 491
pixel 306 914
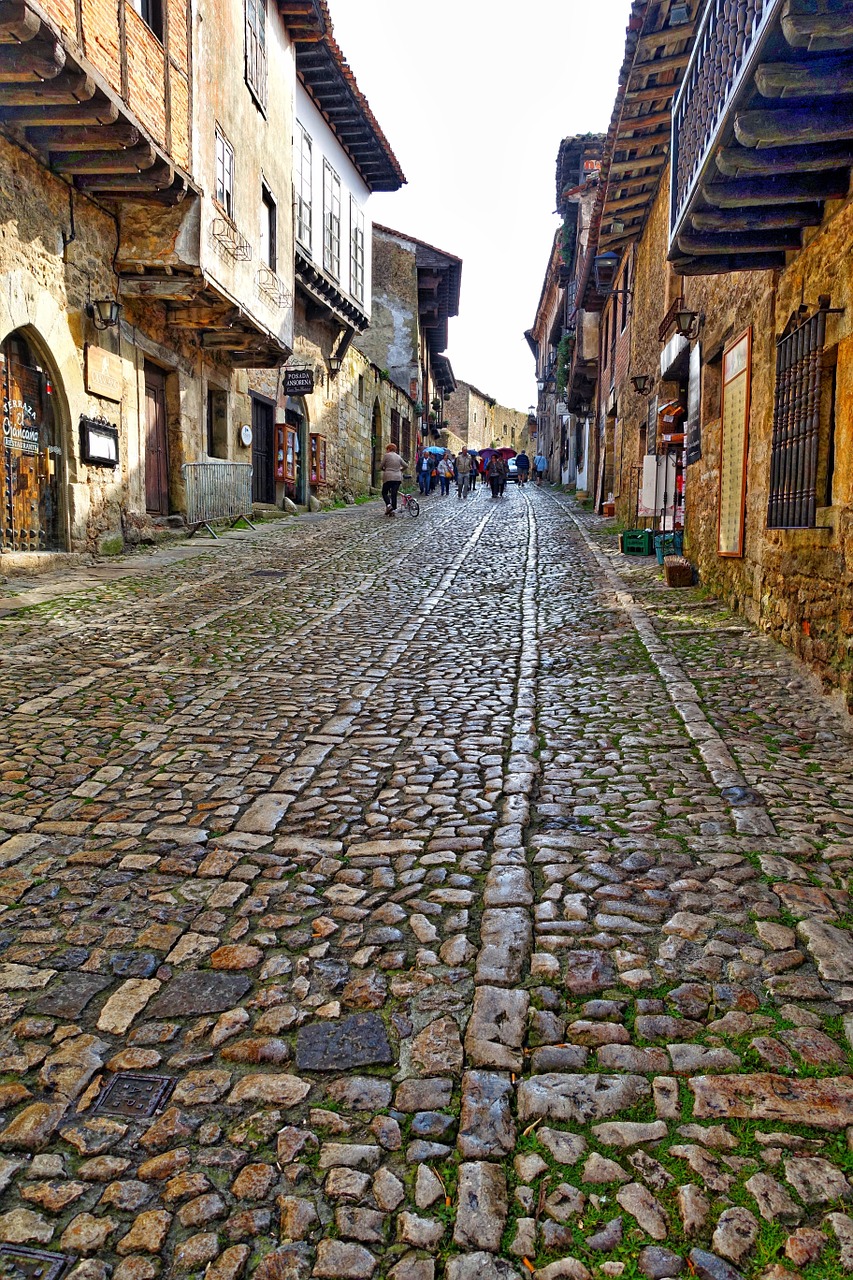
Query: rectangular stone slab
pixel 824 1104
pixel 579 1098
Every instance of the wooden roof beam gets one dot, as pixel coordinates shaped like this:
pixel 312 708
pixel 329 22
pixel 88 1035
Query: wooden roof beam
pixel 641 122
pixel 735 161
pixel 722 264
pixel 639 200
pixel 654 40
pixel 640 162
pixel 797 126
pixel 62 91
pixel 818 78
pixel 786 188
pixel 672 62
pixel 74 114
pixel 132 160
pixel 111 137
pixel 34 62
pixel 796 215
pixel 652 93
pixel 18 22
pixel 697 243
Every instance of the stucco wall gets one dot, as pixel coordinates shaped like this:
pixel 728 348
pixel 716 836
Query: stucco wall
pixel 263 151
pixel 392 340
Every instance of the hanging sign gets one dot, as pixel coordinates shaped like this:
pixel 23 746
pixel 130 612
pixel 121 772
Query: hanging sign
pixel 298 382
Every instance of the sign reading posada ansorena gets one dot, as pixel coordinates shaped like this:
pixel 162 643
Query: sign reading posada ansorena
pixel 298 382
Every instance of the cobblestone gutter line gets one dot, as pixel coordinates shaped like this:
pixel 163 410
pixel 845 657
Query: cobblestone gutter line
pixel 685 697
pixel 498 1024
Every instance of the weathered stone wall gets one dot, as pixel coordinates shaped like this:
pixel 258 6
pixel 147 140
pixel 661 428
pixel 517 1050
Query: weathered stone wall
pixel 391 342
pixel 50 274
pixel 798 584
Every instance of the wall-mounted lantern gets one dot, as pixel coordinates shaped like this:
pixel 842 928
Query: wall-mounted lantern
pixel 642 383
pixel 103 313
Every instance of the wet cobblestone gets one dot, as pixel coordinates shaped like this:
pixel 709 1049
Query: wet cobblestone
pixel 418 898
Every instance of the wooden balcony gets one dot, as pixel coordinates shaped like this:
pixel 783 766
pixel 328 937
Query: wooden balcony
pixel 55 101
pixel 762 132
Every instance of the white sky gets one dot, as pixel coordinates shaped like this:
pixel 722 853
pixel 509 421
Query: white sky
pixel 474 97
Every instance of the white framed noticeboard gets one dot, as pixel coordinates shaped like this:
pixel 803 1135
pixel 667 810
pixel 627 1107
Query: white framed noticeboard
pixel 737 361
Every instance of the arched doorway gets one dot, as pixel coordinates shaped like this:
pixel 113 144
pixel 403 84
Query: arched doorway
pixel 375 444
pixel 32 466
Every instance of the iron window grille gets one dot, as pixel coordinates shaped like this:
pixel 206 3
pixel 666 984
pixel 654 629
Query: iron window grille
pixel 256 50
pixel 796 426
pixel 331 221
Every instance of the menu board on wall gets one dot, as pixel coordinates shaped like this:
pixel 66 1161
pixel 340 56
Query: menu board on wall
pixel 735 435
pixel 693 426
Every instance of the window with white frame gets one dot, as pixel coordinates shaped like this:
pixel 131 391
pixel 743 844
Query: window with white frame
pixel 302 180
pixel 256 49
pixel 224 192
pixel 331 221
pixel 356 261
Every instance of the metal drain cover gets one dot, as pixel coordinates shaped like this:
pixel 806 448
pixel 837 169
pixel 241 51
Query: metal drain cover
pixel 128 1094
pixel 18 1263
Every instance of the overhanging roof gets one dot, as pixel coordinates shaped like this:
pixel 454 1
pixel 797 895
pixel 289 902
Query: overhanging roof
pixel 439 287
pixel 328 79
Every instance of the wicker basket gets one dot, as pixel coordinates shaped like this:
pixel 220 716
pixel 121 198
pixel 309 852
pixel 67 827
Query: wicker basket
pixel 678 571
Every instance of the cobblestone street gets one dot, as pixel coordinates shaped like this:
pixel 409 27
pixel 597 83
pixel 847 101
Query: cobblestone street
pixel 421 898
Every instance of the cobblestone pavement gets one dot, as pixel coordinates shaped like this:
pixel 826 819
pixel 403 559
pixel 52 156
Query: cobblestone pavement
pixel 420 899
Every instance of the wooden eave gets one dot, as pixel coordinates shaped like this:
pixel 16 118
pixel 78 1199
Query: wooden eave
pixel 783 149
pixel 326 295
pixel 331 85
pixel 638 141
pixel 55 102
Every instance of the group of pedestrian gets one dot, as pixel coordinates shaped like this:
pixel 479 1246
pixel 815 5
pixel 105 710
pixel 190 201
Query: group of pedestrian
pixel 438 470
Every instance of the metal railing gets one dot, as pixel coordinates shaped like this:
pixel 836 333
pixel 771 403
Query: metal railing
pixel 727 44
pixel 217 491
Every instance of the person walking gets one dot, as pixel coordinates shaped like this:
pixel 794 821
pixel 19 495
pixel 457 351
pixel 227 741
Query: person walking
pixel 540 466
pixel 495 474
pixel 464 466
pixel 393 467
pixel 475 471
pixel 424 469
pixel 445 473
pixel 522 461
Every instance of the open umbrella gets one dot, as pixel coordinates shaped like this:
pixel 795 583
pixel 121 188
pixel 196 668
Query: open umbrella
pixel 506 453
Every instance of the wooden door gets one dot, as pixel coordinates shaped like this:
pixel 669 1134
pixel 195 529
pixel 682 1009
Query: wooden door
pixel 263 452
pixel 30 465
pixel 156 444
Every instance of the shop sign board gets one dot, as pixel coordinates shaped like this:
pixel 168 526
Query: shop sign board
pixel 103 373
pixel 298 382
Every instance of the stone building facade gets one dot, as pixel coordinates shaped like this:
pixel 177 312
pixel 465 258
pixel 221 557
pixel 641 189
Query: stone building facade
pixel 416 290
pixel 725 380
pixel 147 254
pixel 475 420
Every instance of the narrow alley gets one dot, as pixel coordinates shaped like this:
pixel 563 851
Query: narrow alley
pixel 436 897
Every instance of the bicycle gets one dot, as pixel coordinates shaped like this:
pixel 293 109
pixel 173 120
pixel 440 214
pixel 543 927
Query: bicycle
pixel 409 504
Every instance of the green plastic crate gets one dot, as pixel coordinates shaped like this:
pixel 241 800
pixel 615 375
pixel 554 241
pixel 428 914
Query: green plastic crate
pixel 638 542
